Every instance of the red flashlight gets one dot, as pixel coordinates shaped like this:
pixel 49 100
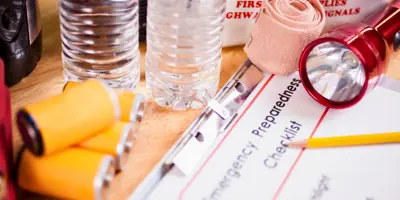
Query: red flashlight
pixel 341 66
pixel 7 187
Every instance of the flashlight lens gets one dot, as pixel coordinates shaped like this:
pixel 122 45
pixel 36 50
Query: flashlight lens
pixel 335 72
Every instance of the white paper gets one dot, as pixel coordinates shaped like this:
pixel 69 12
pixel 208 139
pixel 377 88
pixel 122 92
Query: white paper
pixel 241 14
pixel 248 163
pixel 340 12
pixel 239 18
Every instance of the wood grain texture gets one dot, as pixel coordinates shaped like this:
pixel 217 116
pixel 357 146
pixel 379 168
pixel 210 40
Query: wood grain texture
pixel 160 127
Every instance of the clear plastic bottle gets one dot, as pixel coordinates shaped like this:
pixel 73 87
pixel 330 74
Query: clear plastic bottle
pixel 183 58
pixel 100 40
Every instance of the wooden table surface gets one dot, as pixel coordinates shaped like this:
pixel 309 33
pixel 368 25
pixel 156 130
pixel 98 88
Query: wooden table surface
pixel 160 128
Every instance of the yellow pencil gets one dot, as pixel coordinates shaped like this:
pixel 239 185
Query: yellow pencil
pixel 351 140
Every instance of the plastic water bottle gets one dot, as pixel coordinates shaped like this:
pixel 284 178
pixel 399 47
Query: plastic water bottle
pixel 100 40
pixel 183 57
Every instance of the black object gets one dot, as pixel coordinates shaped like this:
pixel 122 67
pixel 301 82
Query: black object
pixel 142 19
pixel 20 38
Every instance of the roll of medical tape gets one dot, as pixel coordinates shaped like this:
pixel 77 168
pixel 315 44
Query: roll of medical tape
pixel 281 31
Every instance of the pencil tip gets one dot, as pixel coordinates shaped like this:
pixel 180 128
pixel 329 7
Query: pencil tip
pixel 298 144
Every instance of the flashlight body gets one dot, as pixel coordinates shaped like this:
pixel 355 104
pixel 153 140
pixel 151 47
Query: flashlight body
pixel 387 23
pixel 371 40
pixel 20 38
pixel 7 189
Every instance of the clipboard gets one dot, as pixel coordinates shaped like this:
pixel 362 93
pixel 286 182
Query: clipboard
pixel 215 119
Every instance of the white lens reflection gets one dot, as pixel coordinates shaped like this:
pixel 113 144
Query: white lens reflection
pixel 396 45
pixel 335 72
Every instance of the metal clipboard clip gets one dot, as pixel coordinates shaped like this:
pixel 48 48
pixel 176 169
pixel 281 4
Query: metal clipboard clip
pixel 219 114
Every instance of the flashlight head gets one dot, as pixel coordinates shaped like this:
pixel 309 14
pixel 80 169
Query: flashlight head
pixel 340 67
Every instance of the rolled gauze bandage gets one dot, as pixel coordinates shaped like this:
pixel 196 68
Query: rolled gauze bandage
pixel 282 30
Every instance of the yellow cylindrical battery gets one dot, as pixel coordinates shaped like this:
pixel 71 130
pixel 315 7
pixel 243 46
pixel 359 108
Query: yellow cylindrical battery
pixel 132 104
pixel 69 118
pixel 117 141
pixel 74 173
pixel 70 84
